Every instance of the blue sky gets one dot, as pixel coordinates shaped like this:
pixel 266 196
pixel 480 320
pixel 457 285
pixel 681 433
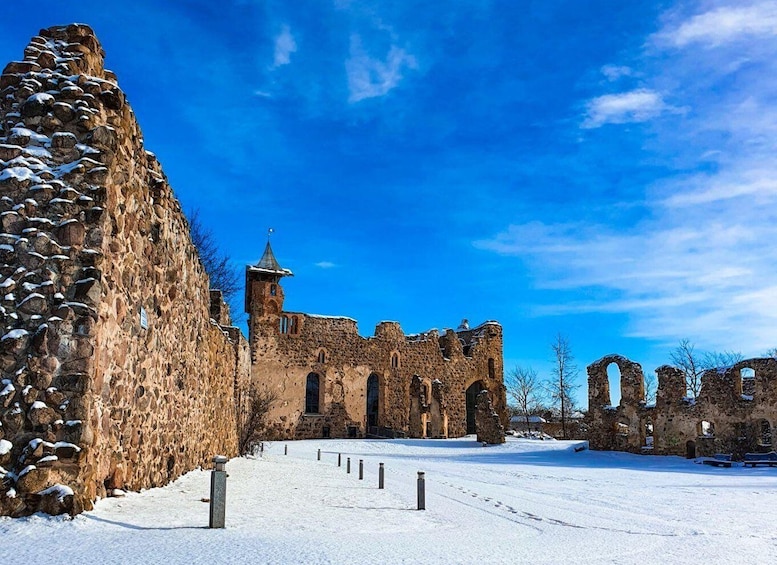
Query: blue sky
pixel 601 169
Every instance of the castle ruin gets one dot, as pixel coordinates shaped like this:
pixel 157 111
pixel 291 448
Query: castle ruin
pixel 329 381
pixel 735 411
pixel 119 367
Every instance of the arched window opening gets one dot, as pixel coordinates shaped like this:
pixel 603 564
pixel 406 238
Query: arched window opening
pixel 322 356
pixel 491 368
pixel 764 433
pixel 748 383
pixel 394 360
pixel 294 325
pixel 373 401
pixel 284 324
pixel 706 429
pixel 312 390
pixel 614 381
pixel 273 289
pixel 649 434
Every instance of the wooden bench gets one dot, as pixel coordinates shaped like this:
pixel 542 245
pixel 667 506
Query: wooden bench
pixel 718 460
pixel 753 459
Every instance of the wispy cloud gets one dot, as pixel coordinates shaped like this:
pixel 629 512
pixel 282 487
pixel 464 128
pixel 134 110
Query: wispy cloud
pixel 699 261
pixel 638 105
pixel 284 47
pixel 615 72
pixel 368 76
pixel 325 265
pixel 724 25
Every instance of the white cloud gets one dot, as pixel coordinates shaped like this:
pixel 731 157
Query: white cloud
pixel 615 72
pixel 284 47
pixel 724 25
pixel 700 262
pixel 638 105
pixel 325 265
pixel 697 273
pixel 369 77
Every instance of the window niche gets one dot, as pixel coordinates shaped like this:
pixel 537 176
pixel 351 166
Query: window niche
pixel 312 394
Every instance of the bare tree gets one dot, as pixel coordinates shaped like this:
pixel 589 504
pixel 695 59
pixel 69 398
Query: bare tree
pixel 216 263
pixel 651 388
pixel 256 423
pixel 771 353
pixel 525 389
pixel 684 357
pixel 693 364
pixel 562 386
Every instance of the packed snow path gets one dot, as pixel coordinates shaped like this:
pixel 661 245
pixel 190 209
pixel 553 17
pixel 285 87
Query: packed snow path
pixel 522 502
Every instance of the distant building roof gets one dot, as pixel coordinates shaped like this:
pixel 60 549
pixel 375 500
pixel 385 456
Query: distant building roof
pixel 532 419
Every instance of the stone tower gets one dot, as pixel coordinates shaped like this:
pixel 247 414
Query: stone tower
pixel 264 294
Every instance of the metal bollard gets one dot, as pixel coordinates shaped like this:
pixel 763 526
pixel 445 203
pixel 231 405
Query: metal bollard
pixel 361 469
pixel 285 449
pixel 218 492
pixel 421 491
pixel 380 475
pixel 339 457
pixel 319 455
pixel 348 465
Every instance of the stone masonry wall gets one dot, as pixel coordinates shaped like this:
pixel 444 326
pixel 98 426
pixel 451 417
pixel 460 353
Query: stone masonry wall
pixel 113 375
pixel 283 361
pixel 735 412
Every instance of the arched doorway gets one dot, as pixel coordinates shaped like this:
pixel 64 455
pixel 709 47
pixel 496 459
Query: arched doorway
pixel 690 449
pixel 373 401
pixel 472 398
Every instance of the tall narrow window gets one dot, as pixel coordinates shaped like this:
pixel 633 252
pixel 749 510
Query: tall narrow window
pixel 312 389
pixel 273 289
pixel 284 324
pixel 491 368
pixel 322 356
pixel 294 325
pixel 394 360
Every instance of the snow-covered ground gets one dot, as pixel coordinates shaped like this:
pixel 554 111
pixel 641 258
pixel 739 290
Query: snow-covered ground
pixel 523 502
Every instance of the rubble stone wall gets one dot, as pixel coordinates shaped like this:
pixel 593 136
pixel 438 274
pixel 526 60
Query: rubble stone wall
pixel 113 374
pixel 735 412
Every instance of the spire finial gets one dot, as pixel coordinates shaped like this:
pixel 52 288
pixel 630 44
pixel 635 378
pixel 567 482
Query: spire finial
pixel 269 232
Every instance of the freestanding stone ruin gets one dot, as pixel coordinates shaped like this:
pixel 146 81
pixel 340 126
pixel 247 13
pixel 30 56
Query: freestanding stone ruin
pixel 113 374
pixel 735 411
pixel 331 382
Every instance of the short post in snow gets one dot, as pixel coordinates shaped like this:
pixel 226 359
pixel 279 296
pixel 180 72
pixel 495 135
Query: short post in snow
pixel 380 475
pixel 348 465
pixel 361 469
pixel 339 459
pixel 218 492
pixel 285 449
pixel 421 491
pixel 319 455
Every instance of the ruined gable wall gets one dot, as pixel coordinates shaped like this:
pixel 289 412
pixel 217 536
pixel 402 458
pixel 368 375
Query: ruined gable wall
pixel 282 362
pixel 91 234
pixel 617 427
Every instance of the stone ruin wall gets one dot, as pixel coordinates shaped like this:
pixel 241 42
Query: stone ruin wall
pixel 742 412
pixel 282 362
pixel 91 233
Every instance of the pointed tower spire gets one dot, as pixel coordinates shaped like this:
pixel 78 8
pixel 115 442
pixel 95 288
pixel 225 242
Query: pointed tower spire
pixel 268 264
